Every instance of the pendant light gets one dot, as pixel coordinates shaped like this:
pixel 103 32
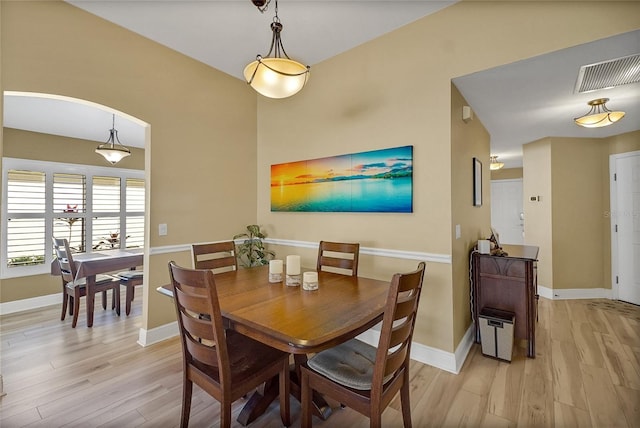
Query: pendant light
pixel 599 115
pixel 113 150
pixel 494 165
pixel 277 76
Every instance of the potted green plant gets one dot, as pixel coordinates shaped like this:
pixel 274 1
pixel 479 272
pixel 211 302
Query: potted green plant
pixel 252 252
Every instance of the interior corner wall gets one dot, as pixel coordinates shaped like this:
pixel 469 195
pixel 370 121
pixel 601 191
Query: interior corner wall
pixel 538 205
pixel 469 140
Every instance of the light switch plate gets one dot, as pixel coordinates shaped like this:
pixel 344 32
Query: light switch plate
pixel 162 229
pixel 458 231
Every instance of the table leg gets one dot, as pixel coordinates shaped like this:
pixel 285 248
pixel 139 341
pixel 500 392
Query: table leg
pixel 91 282
pixel 258 403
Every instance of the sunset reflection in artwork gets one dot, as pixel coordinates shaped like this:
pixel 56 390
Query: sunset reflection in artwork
pixel 374 181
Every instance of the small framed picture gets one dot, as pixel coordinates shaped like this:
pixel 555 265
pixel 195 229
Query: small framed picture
pixel 477 182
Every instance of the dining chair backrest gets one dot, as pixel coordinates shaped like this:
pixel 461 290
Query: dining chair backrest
pixel 217 256
pixel 226 364
pixel 199 318
pixel 398 322
pixel 340 257
pixel 65 259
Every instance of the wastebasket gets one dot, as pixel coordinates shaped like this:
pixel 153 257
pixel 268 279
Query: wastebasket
pixel 496 333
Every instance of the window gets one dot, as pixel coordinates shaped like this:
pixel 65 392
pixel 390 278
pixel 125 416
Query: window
pixel 95 208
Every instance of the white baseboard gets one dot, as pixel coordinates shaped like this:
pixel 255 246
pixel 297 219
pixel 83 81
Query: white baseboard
pixel 574 293
pixel 451 362
pixel 158 334
pixel 32 303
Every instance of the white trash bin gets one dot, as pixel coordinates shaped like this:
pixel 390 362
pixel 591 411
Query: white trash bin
pixel 496 333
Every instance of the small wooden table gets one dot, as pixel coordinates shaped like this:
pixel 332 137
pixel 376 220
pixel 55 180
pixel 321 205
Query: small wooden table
pixel 89 265
pixel 508 283
pixel 294 320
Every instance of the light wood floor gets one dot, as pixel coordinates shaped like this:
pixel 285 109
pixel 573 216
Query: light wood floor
pixel 586 374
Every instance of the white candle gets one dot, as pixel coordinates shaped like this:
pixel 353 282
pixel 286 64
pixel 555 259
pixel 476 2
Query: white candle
pixel 275 266
pixel 310 277
pixel 293 265
pixel 310 281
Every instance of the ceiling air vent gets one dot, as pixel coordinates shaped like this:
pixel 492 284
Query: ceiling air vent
pixel 608 74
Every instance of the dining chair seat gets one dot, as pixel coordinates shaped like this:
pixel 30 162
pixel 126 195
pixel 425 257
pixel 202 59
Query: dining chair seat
pixel 100 280
pixel 350 364
pixel 130 279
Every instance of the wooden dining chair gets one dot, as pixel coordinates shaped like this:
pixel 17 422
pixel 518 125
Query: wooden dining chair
pixel 224 363
pixel 130 279
pixel 339 257
pixel 364 377
pixel 73 288
pixel 217 256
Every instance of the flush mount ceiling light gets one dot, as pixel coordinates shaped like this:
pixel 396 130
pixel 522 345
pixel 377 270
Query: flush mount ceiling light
pixel 494 163
pixel 599 115
pixel 277 76
pixel 113 150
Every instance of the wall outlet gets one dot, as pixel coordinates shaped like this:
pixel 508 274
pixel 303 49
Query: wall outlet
pixel 162 229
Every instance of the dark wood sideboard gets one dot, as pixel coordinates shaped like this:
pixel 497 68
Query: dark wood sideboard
pixel 508 283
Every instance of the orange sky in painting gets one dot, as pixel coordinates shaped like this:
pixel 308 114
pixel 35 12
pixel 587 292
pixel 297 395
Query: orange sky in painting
pixel 308 171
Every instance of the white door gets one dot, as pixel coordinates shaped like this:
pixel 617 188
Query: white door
pixel 625 225
pixel 507 216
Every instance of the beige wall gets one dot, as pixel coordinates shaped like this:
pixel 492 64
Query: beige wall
pixel 468 140
pixel 203 163
pixel 53 148
pixel 623 143
pixel 538 214
pixel 201 160
pixel 577 217
pixel 396 90
pixel 506 174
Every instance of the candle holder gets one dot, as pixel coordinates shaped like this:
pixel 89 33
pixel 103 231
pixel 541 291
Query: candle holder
pixel 293 280
pixel 310 281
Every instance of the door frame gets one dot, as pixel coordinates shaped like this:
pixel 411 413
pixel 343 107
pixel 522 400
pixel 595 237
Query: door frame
pixel 613 206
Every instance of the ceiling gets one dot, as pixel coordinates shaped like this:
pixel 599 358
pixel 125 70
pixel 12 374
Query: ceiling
pixel 517 103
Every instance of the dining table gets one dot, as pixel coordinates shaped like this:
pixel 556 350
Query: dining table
pixel 295 320
pixel 88 265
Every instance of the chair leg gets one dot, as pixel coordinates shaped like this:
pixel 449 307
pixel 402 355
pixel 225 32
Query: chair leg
pixel 131 291
pixel 285 410
pixel 104 300
pixel 225 414
pixel 305 399
pixel 187 390
pixel 76 310
pixel 116 298
pixel 405 401
pixel 65 300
